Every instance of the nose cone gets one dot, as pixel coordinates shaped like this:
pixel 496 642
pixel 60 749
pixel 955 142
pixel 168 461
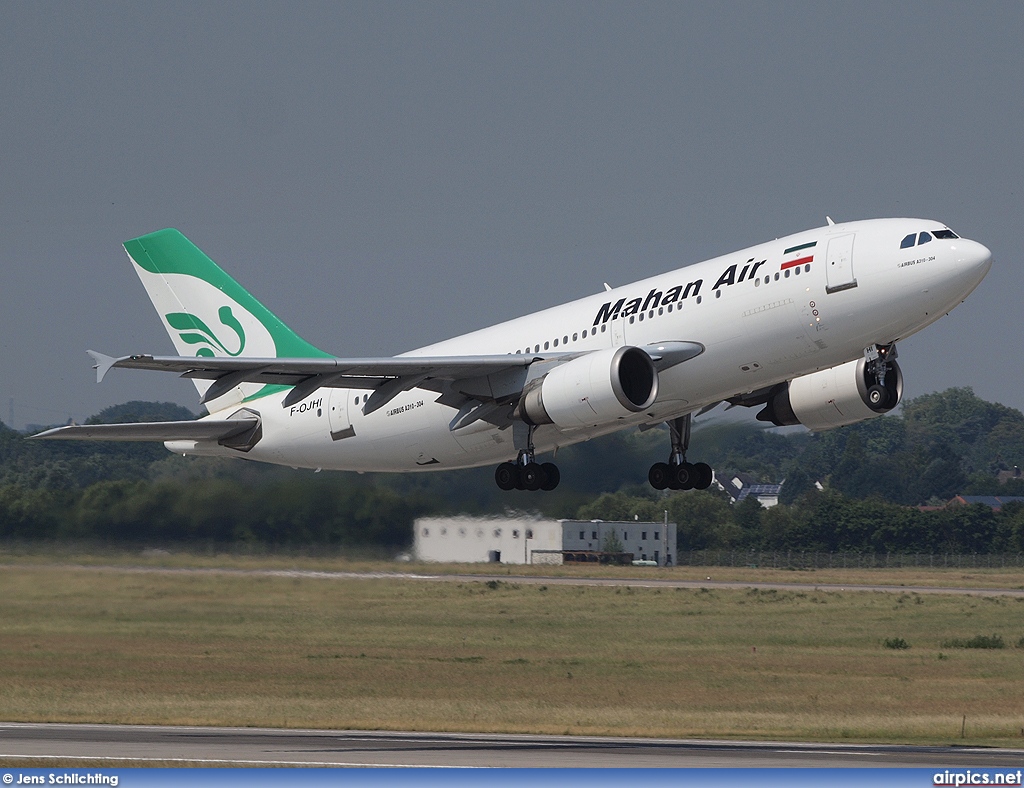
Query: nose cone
pixel 972 258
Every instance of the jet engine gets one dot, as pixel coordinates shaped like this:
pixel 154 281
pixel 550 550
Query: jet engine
pixel 598 388
pixel 834 397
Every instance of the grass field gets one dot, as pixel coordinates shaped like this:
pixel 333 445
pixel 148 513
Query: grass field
pixel 88 555
pixel 113 646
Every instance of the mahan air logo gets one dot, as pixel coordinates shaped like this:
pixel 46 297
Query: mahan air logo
pixel 194 331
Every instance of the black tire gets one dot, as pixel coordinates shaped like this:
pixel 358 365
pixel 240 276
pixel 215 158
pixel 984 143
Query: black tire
pixel 878 397
pixel 506 475
pixel 704 476
pixel 660 476
pixel 551 476
pixel 683 476
pixel 532 476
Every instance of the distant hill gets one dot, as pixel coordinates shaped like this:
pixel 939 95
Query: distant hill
pixel 139 410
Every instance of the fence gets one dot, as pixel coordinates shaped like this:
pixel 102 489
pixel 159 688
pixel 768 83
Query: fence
pixel 795 559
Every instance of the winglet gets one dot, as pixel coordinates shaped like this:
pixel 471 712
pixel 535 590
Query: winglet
pixel 102 365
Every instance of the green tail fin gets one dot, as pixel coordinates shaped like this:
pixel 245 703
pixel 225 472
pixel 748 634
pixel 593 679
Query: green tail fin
pixel 206 312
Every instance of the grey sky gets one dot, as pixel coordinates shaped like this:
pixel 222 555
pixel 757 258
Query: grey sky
pixel 384 175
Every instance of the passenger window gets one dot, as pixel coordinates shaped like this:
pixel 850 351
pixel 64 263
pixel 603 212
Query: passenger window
pixel 907 242
pixel 556 341
pixel 923 238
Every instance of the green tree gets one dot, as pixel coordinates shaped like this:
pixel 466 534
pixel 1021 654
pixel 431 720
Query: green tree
pixel 701 518
pixel 621 506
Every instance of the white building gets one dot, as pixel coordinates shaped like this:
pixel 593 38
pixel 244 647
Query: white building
pixel 646 541
pixel 525 540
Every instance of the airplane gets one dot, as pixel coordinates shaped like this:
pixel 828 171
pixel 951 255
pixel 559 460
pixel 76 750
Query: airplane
pixel 804 327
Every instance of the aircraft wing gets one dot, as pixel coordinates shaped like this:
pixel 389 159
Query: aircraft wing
pixel 387 377
pixel 291 371
pixel 459 379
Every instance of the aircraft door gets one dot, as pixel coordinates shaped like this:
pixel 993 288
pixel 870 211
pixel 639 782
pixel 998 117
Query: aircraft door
pixel 340 423
pixel 839 264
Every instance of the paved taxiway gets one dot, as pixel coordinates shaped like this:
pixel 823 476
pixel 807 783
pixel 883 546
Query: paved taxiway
pixel 635 582
pixel 70 744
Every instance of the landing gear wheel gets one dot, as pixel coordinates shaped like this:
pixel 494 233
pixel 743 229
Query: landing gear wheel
pixel 532 476
pixel 683 477
pixel 660 475
pixel 551 476
pixel 703 476
pixel 878 397
pixel 506 475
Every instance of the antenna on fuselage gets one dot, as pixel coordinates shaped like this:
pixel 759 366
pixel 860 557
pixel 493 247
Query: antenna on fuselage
pixel 829 220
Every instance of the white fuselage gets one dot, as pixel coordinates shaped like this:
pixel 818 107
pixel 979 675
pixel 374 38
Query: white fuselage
pixel 764 314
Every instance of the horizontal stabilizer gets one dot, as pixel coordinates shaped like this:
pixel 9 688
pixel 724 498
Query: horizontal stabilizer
pixel 203 430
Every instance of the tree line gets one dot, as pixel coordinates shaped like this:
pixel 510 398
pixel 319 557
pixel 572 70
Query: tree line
pixel 871 476
pixel 826 521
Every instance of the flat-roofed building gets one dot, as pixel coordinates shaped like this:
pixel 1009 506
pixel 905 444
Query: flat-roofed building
pixel 525 540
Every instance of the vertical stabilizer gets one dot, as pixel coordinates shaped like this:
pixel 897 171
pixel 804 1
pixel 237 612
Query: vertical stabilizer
pixel 207 313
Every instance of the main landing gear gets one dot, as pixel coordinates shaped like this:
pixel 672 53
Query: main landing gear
pixel 677 473
pixel 526 473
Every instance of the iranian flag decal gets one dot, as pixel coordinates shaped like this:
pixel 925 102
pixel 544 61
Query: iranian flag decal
pixel 803 254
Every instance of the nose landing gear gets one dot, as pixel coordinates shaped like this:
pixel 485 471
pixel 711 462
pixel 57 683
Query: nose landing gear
pixel 883 394
pixel 677 473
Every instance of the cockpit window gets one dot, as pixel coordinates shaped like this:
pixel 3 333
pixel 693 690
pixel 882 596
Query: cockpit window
pixel 923 238
pixel 944 235
pixel 908 241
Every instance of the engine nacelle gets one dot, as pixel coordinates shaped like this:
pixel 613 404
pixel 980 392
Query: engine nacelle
pixel 834 397
pixel 594 389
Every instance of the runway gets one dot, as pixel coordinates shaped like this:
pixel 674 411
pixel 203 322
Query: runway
pixel 128 745
pixel 634 582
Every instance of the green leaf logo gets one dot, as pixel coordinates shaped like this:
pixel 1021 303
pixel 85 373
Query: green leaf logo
pixel 194 331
